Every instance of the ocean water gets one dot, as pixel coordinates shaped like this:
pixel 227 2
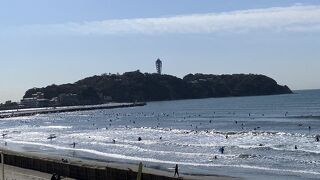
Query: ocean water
pixel 259 135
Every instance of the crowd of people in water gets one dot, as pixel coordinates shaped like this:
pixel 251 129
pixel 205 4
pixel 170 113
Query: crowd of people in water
pixel 195 129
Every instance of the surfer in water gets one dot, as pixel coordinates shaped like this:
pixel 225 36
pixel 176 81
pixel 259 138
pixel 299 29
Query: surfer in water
pixel 221 150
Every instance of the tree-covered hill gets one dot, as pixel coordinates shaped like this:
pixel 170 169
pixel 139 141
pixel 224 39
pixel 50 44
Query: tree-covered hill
pixel 137 86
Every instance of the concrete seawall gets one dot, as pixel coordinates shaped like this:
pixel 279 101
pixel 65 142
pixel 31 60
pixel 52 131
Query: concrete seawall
pixel 31 112
pixel 76 170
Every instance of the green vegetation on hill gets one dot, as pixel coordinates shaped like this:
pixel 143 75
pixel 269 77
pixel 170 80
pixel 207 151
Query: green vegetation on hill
pixel 137 86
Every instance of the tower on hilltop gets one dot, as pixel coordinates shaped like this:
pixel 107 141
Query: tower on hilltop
pixel 159 66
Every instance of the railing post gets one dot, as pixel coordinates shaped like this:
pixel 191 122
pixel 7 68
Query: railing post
pixel 2 162
pixel 139 176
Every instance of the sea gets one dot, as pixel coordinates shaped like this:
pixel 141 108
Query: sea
pixel 263 136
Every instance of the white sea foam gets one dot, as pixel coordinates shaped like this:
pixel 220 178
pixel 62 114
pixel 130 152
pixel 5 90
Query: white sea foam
pixel 55 127
pixel 120 156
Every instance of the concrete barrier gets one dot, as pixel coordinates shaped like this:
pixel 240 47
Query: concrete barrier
pixel 76 171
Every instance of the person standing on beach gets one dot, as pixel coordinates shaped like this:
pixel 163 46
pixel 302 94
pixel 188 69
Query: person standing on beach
pixel 55 177
pixel 176 171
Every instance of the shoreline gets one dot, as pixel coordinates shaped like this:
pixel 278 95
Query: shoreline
pixel 30 112
pixel 89 169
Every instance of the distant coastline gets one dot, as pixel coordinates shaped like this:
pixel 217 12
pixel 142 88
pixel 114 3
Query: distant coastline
pixel 144 87
pixel 49 110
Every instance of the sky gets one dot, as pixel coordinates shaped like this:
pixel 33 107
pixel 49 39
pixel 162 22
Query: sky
pixel 44 42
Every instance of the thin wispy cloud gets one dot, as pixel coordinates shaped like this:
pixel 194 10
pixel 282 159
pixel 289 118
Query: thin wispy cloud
pixel 296 18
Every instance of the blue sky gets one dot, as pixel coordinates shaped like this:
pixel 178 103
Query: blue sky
pixel 44 42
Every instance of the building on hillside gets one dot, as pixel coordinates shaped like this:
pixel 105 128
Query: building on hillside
pixel 36 100
pixel 29 103
pixel 159 66
pixel 38 95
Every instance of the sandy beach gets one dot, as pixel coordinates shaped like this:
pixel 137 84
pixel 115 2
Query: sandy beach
pixel 15 173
